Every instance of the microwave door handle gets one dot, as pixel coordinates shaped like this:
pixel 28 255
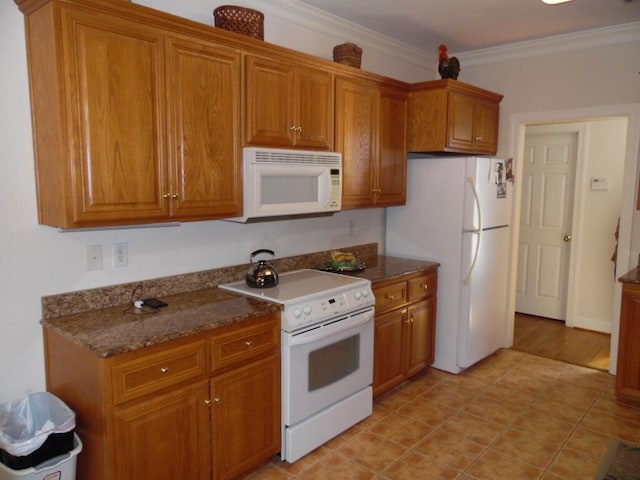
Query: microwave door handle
pixel 329 330
pixel 324 188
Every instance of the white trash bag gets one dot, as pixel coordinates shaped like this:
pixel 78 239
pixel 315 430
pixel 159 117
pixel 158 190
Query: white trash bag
pixel 25 424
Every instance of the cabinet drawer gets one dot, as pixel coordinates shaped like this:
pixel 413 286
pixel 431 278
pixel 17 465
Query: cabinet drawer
pixel 244 343
pixel 423 286
pixel 156 371
pixel 390 296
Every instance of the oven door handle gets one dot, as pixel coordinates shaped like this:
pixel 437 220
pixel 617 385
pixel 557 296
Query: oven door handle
pixel 331 329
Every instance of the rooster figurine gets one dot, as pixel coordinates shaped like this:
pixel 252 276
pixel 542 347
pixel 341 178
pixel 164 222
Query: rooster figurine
pixel 447 67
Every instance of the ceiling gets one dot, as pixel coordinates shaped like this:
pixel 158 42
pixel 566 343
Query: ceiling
pixel 467 25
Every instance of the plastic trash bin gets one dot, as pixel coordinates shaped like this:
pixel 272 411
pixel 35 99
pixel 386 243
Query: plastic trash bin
pixel 34 430
pixel 62 467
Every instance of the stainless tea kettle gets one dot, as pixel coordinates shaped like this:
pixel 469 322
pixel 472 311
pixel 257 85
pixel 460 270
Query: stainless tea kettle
pixel 262 275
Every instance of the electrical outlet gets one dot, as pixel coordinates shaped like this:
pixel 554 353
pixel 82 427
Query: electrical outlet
pixel 120 255
pixel 93 255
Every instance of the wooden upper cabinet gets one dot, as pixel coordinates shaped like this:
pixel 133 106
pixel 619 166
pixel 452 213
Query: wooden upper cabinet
pixel 371 135
pixel 288 104
pixel 451 116
pixel 203 101
pixel 113 160
pixel 131 125
pixel 392 150
pixel 356 139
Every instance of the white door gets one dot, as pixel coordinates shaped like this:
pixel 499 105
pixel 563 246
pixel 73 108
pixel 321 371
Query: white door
pixel 545 223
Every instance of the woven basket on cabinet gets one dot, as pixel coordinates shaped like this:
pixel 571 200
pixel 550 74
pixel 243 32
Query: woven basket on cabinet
pixel 244 21
pixel 348 54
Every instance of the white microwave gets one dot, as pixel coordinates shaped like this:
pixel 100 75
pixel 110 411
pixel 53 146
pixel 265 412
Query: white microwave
pixel 284 183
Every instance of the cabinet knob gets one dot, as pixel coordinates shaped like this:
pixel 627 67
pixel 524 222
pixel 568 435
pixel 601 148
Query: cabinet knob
pixel 218 400
pixel 164 369
pixel 390 296
pixel 377 190
pixel 207 402
pixel 299 130
pixel 292 129
pixel 425 286
pixel 248 343
pixel 175 195
pixel 166 195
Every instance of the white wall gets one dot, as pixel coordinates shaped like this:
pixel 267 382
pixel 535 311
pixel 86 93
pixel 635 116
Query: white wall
pixel 595 280
pixel 37 260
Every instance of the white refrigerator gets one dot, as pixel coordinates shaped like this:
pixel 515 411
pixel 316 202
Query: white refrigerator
pixel 458 213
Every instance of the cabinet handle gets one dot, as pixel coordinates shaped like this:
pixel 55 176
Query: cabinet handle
pixel 293 129
pixel 175 195
pixel 248 343
pixel 376 190
pixel 410 319
pixel 425 286
pixel 218 400
pixel 391 296
pixel 166 195
pixel 164 369
pixel 299 130
pixel 207 402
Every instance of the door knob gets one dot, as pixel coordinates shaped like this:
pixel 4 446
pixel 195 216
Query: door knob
pixel 567 238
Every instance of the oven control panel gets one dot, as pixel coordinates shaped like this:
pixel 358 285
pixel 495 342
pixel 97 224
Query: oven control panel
pixel 309 311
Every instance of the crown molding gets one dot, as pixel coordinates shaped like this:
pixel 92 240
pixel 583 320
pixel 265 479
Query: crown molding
pixel 597 37
pixel 314 19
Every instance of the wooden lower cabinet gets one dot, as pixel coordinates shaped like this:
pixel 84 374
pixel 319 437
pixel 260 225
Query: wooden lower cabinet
pixel 167 436
pixel 404 329
pixel 172 410
pixel 246 417
pixel 628 366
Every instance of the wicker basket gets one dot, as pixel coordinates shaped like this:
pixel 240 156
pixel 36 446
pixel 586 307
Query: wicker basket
pixel 244 21
pixel 348 53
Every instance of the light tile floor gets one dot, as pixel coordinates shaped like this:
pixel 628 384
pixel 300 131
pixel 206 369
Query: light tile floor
pixel 512 416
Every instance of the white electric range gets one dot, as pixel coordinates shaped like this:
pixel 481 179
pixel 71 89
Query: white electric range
pixel 327 354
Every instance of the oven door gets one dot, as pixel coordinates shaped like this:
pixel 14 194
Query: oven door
pixel 326 363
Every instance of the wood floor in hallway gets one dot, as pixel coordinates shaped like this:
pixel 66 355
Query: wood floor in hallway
pixel 552 339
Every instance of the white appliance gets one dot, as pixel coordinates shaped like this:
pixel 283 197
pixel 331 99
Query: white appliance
pixel 327 354
pixel 458 213
pixel 282 183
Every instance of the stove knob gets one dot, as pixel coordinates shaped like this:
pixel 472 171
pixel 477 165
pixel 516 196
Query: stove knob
pixel 306 309
pixel 297 312
pixel 365 293
pixel 357 295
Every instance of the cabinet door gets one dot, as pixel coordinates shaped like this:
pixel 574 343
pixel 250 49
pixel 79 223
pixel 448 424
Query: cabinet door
pixel 164 438
pixel 391 174
pixel 356 127
pixel 117 96
pixel 314 108
pixel 246 417
pixel 203 101
pixel 628 371
pixel 486 127
pixel 461 122
pixel 270 116
pixel 421 336
pixel 388 350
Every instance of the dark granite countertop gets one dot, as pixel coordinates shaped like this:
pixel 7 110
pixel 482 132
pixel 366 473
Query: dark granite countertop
pixel 631 277
pixel 384 267
pixel 119 329
pixel 112 331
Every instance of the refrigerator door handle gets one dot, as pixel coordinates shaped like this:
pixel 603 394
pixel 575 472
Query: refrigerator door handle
pixel 471 182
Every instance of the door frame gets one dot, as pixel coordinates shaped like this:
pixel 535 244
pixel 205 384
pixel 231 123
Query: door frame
pixel 518 124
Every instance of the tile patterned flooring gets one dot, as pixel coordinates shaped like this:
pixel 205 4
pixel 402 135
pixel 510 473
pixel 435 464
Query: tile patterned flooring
pixel 512 416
